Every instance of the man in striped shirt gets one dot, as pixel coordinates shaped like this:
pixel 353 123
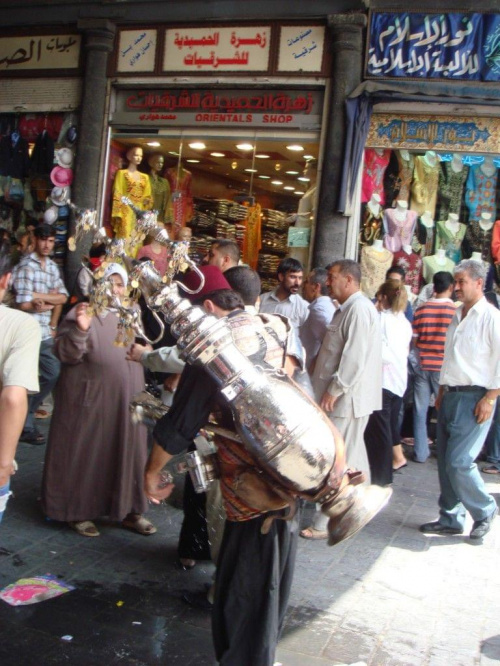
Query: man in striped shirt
pixel 430 324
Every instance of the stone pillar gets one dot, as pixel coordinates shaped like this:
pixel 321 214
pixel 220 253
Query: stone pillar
pixel 347 46
pixel 98 43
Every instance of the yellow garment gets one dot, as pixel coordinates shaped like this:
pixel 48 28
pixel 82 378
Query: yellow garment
pixel 138 190
pixel 425 186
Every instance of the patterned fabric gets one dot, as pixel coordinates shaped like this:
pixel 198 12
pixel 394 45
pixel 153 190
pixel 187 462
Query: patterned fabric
pixel 477 240
pixel 398 232
pixel 138 190
pixel 29 277
pixel 480 196
pixel 405 176
pixel 423 241
pixel 374 265
pixel 451 187
pixel 424 186
pixel 449 241
pixel 371 226
pixel 373 174
pixel 431 266
pixel 412 263
pixel 430 324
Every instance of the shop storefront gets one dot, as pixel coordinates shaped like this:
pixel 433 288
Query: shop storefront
pixel 232 158
pixel 39 103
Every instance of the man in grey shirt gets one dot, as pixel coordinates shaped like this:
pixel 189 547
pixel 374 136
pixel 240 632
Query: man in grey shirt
pixel 321 311
pixel 285 299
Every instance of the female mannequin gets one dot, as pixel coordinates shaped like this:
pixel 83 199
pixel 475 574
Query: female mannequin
pixel 160 188
pixel 375 260
pixel 399 225
pixel 303 218
pixel 376 161
pixel 129 182
pixel 480 196
pixel 451 185
pixel 436 262
pixel 371 221
pixel 479 238
pixel 412 263
pixel 449 236
pixel 425 183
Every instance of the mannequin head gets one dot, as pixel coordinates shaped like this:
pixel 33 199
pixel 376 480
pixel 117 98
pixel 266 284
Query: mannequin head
pixel 184 234
pixel 134 155
pixel 156 162
pixel 311 172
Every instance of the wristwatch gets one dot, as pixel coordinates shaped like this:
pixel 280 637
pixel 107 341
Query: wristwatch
pixel 490 401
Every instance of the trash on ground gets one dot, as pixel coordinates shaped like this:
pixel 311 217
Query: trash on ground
pixel 27 591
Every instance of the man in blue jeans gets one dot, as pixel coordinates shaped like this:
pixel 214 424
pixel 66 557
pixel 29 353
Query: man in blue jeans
pixel 19 345
pixel 468 391
pixel 40 291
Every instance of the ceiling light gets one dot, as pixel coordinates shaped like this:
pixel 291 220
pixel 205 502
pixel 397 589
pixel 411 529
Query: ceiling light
pixel 153 144
pixel 309 157
pixel 218 154
pixel 265 177
pixel 172 152
pixel 295 147
pixel 277 182
pixel 193 161
pixel 234 165
pixel 244 146
pixel 303 179
pixel 261 156
pixel 289 187
pixel 298 192
pixel 197 145
pixel 250 170
pixel 292 173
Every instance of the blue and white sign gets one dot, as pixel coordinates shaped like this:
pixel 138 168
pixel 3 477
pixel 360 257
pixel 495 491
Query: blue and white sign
pixel 434 46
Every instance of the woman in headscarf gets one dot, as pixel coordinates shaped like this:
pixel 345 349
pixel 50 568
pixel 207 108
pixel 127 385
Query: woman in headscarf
pixel 95 456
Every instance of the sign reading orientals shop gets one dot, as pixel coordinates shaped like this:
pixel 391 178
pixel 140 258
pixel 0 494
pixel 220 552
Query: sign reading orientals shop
pixel 40 52
pixel 233 108
pixel 448 133
pixel 434 46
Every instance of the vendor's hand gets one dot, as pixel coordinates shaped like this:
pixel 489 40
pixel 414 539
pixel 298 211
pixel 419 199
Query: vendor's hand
pixel 328 402
pixel 171 383
pixel 83 319
pixel 155 487
pixel 136 351
pixel 483 411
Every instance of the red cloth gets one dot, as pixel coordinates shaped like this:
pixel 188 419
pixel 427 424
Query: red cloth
pixel 412 263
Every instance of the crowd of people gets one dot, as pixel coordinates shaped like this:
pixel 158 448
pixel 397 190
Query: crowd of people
pixel 369 365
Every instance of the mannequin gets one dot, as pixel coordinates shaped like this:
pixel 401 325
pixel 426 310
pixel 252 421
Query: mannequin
pixel 371 221
pixel 451 185
pixel 306 210
pixel 405 174
pixel 412 263
pixel 180 180
pixel 456 163
pixel 480 196
pixel 449 236
pixel 375 261
pixel 136 186
pixel 160 188
pixel 476 256
pixel 479 238
pixel 399 226
pixel 425 183
pixel 376 161
pixel 424 235
pixel 427 220
pixel 436 262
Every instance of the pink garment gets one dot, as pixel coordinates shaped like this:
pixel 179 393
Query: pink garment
pixel 398 232
pixel 373 174
pixel 412 263
pixel 159 260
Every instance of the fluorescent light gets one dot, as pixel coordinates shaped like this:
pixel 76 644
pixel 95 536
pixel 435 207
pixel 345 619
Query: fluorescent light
pixel 218 154
pixel 298 192
pixel 193 161
pixel 296 148
pixel 244 146
pixel 265 177
pixel 289 187
pixel 303 179
pixel 172 152
pixel 291 173
pixel 153 144
pixel 250 170
pixel 309 157
pixel 261 156
pixel 197 145
pixel 277 182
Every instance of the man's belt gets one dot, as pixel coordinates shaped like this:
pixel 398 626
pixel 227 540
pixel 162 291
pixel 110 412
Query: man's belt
pixel 463 389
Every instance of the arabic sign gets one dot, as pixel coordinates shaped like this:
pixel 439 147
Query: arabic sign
pixel 301 48
pixel 40 52
pixel 289 108
pixel 136 51
pixel 217 49
pixel 450 133
pixel 444 46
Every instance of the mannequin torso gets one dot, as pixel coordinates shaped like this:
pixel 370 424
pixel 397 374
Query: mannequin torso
pixel 399 225
pixel 436 262
pixel 449 237
pixel 135 185
pixel 375 260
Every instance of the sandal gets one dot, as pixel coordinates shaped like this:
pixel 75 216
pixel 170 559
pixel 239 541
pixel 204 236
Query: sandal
pixel 313 534
pixel 84 528
pixel 139 524
pixel 491 469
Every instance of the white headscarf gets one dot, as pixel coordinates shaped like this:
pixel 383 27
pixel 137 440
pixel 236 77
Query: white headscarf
pixel 119 269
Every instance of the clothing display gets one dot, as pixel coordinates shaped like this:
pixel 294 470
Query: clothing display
pixel 180 180
pixel 477 239
pixel 412 264
pixel 371 225
pixel 403 183
pixel 374 265
pixel 480 196
pixel 450 190
pixel 449 240
pixel 373 173
pixel 137 187
pixel 434 264
pixel 398 231
pixel 424 238
pixel 424 187
pixel 253 237
pixel 162 201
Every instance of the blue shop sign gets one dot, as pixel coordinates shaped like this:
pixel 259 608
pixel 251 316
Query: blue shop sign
pixel 434 46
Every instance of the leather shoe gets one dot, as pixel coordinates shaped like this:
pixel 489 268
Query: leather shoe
pixel 481 527
pixel 438 528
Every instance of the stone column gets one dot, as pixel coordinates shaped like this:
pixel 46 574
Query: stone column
pixel 98 43
pixel 347 46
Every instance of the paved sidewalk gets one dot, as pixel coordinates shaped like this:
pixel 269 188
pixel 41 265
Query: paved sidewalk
pixel 388 597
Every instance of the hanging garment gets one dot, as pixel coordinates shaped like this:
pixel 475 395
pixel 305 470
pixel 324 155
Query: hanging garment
pixel 450 241
pixel 42 157
pixel 412 264
pixel 373 174
pixel 14 157
pixel 424 239
pixel 450 192
pixel 477 239
pixel 374 265
pixel 138 190
pixel 398 232
pixel 424 186
pixel 480 195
